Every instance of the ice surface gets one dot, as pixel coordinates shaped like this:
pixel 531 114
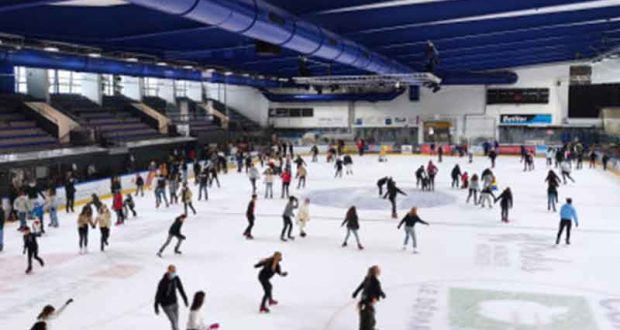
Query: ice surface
pixel 472 272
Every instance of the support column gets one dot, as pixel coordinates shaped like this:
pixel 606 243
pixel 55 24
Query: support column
pixel 92 87
pixel 350 115
pixel 38 83
pixel 7 79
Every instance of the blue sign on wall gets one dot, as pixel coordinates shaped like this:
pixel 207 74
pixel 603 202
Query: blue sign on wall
pixel 541 119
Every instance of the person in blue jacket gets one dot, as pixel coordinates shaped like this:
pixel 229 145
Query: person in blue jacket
pixel 567 215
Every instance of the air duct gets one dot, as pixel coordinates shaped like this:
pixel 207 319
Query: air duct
pixel 341 97
pixel 82 63
pixel 262 21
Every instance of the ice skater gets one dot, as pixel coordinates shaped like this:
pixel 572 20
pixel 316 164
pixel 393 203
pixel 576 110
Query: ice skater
pixel 85 219
pixel 269 267
pixel 32 248
pixel 160 191
pixel 456 174
pixel 392 192
pixel 195 320
pixel 166 296
pixel 348 163
pixel 286 182
pixel 104 222
pixel 174 232
pixel 301 176
pixel 409 221
pixel 492 157
pixel 250 216
pixel 528 163
pixel 338 167
pixel 352 222
pixel 173 188
pixel 268 183
pixel 129 206
pixel 486 195
pixel 370 286
pixel 382 182
pixel 70 193
pixel 49 314
pixel 21 205
pixel 203 180
pixel 186 197
pixel 505 202
pixel 303 216
pixel 253 175
pixel 553 182
pixel 117 206
pixel 431 170
pixel 474 186
pixel 592 161
pixel 419 175
pixel 567 215
pixel 287 217
pixel 566 169
pixel 139 185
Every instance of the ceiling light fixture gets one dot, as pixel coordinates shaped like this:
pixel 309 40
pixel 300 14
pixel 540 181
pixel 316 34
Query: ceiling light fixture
pixel 51 49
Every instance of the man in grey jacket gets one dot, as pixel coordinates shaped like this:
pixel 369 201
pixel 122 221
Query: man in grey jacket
pixel 287 216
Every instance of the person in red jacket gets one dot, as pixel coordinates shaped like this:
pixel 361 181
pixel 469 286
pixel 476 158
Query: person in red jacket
pixel 286 182
pixel 117 206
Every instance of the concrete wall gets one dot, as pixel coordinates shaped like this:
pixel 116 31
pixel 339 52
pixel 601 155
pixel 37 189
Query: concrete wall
pixel 92 87
pixel 247 100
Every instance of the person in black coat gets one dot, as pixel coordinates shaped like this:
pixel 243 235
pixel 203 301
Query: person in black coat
pixel 492 156
pixel 338 167
pixel 353 225
pixel 409 221
pixel 456 174
pixel 32 247
pixel 370 286
pixel 69 193
pixel 166 296
pixel 249 214
pixel 366 311
pixel 139 185
pixel 269 267
pixel 348 163
pixel 419 175
pixel 392 192
pixel 505 203
pixel 381 182
pixel 174 231
pixel 439 153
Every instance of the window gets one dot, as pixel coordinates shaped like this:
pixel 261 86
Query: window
pixel 180 88
pixel 20 80
pixel 151 86
pixel 65 82
pixel 107 80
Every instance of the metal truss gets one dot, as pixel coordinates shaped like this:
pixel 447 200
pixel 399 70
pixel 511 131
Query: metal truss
pixel 418 78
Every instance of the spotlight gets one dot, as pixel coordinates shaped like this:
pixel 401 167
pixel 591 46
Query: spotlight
pixel 162 63
pixel 51 49
pixel 131 59
pixel 94 55
pixel 228 73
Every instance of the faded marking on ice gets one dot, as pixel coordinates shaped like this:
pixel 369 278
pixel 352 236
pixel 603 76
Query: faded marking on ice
pixel 367 198
pixel 118 271
pixel 520 312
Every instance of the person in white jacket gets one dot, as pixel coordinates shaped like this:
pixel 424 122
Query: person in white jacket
pixel 253 175
pixel 49 313
pixel 21 205
pixel 303 216
pixel 195 321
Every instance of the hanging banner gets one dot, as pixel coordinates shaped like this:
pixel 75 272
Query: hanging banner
pixel 513 119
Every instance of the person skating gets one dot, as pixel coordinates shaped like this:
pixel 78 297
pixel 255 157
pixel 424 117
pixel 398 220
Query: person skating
pixel 160 191
pixel 286 182
pixel 303 217
pixel 287 217
pixel 370 288
pixel 315 153
pixel 50 313
pixel 174 232
pixel 492 157
pixel 139 185
pixel 70 193
pixel 568 214
pixel 409 221
pixel 103 220
pixel 566 169
pixel 300 162
pixel 195 320
pixel 338 166
pixel 301 176
pixel 465 180
pixel 474 186
pixel 549 156
pixel 486 194
pixel 31 247
pixel 528 164
pixel 505 202
pixel 213 176
pixel 51 204
pixel 203 181
pixel 186 197
pixel 348 164
pixel 455 174
pixel 351 220
pixel 117 206
pixel 604 160
pixel 419 175
pixel 366 310
pixel 392 192
pixel 439 153
pixel 268 183
pixel 381 182
pixel 552 190
pixel 592 159
pixel 21 205
pixel 129 206
pixel 85 219
pixel 94 201
pixel 166 296
pixel 431 170
pixel 173 188
pixel 250 216
pixel 253 175
pixel 269 267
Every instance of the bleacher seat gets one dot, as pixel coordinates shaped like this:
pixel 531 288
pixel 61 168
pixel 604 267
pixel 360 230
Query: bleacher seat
pixel 17 132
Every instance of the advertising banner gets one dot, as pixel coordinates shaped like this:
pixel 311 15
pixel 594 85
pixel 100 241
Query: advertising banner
pixel 514 119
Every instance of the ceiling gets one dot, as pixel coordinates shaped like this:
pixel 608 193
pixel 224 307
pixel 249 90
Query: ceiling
pixel 471 35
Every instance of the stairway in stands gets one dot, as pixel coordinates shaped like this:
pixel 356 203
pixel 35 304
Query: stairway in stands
pixel 17 132
pixel 238 122
pixel 199 121
pixel 115 124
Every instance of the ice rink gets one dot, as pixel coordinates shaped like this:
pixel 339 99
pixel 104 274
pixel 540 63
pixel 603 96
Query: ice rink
pixel 471 272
